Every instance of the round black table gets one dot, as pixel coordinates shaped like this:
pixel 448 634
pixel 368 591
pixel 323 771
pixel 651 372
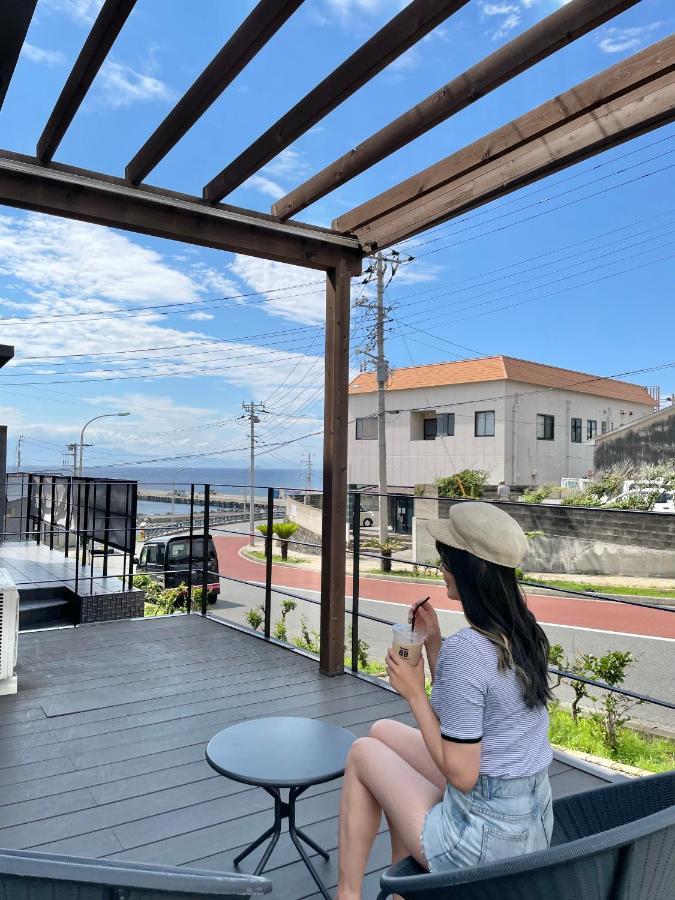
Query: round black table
pixel 279 753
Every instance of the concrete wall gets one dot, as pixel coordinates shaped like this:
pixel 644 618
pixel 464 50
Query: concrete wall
pixel 581 541
pixel 650 440
pixel 513 454
pixel 307 517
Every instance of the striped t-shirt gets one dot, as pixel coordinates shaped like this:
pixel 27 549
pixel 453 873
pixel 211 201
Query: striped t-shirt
pixel 474 702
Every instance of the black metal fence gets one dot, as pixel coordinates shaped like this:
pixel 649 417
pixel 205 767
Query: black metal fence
pixel 67 513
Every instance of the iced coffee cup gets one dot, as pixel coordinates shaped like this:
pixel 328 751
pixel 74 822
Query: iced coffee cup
pixel 407 643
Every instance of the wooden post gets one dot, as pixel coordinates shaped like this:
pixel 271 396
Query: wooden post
pixel 333 541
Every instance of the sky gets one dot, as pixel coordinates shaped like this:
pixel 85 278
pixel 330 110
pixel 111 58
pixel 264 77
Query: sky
pixel 574 271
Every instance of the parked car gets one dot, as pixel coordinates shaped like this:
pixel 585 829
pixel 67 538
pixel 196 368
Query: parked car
pixel 166 559
pixel 665 502
pixel 368 517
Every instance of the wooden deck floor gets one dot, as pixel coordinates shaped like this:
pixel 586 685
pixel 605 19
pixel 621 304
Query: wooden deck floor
pixel 102 749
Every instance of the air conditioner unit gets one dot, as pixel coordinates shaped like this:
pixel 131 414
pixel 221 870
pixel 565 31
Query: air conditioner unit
pixel 9 632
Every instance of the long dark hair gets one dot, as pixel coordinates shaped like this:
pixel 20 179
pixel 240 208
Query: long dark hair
pixel 495 606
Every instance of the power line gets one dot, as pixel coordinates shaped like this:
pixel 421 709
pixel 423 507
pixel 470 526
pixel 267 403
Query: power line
pixel 499 203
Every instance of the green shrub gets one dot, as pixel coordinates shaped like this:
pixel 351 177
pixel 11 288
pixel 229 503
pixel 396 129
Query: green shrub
pixel 385 549
pixel 585 498
pixel 309 640
pixel 469 483
pixel 285 531
pixel 634 501
pixel 255 618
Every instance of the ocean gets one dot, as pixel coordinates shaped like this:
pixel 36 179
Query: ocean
pixel 222 479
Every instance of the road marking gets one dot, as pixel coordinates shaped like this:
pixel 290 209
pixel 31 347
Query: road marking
pixel 453 612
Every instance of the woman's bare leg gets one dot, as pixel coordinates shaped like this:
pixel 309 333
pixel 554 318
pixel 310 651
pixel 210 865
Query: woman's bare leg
pixel 378 780
pixel 410 746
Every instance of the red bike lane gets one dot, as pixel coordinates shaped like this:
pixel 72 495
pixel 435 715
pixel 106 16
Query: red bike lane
pixel 598 615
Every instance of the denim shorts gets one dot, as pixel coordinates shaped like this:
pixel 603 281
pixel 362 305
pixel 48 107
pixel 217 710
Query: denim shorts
pixel 499 818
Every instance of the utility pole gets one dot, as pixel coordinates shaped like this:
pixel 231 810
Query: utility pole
pixel 309 477
pixel 72 448
pixel 251 411
pixel 19 442
pixel 374 350
pixel 382 373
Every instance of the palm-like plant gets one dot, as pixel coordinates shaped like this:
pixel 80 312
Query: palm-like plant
pixel 385 548
pixel 284 531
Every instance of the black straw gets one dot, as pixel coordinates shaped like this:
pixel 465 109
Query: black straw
pixel 421 603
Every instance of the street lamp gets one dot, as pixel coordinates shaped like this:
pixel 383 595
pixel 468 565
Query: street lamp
pixel 104 416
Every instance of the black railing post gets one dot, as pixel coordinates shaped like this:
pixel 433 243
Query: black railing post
pixel 29 503
pixel 132 529
pixel 106 534
pixel 78 485
pixel 205 549
pixel 52 520
pixel 85 525
pixel 268 561
pixel 69 495
pixel 93 538
pixel 356 557
pixel 190 553
pixel 39 510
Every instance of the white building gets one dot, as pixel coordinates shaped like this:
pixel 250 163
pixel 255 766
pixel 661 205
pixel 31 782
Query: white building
pixel 520 421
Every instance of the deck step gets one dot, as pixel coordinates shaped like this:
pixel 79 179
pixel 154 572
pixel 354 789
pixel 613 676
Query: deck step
pixel 39 613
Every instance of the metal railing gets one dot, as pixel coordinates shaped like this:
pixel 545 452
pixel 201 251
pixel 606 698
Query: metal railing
pixel 199 573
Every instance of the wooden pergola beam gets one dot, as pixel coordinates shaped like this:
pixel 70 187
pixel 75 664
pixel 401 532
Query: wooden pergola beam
pixel 91 197
pixel 335 431
pixel 102 36
pixel 402 32
pixel 562 27
pixel 626 100
pixel 255 31
pixel 14 21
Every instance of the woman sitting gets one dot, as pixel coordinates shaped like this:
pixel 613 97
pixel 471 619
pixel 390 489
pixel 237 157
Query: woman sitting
pixel 471 785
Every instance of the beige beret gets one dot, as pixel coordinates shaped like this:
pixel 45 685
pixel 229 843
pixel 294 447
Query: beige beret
pixel 484 530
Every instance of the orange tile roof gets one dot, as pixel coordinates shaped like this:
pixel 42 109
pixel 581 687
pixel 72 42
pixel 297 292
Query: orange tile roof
pixel 501 368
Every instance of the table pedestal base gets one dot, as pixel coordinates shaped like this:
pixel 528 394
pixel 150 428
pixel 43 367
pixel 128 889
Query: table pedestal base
pixel 283 810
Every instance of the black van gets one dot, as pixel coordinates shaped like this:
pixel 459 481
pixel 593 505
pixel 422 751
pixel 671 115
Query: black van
pixel 167 560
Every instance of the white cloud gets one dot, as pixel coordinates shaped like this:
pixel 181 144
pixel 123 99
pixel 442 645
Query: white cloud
pixel 289 165
pixel 80 10
pixel 64 271
pixel 349 12
pixel 35 54
pixel 499 9
pixel 306 304
pixel 407 62
pixel 120 85
pixel 265 185
pixel 503 16
pixel 59 258
pixel 618 40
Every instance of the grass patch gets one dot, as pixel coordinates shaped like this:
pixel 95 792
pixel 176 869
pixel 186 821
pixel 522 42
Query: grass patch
pixel 371 668
pixel 606 588
pixel 403 573
pixel 654 754
pixel 260 554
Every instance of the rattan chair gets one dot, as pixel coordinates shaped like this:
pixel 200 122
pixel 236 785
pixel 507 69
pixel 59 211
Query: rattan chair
pixel 612 843
pixel 25 875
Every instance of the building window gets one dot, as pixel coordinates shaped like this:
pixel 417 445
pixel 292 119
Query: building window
pixel 591 429
pixel 485 423
pixel 366 429
pixel 575 431
pixel 446 425
pixel 545 427
pixel 603 426
pixel 430 429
